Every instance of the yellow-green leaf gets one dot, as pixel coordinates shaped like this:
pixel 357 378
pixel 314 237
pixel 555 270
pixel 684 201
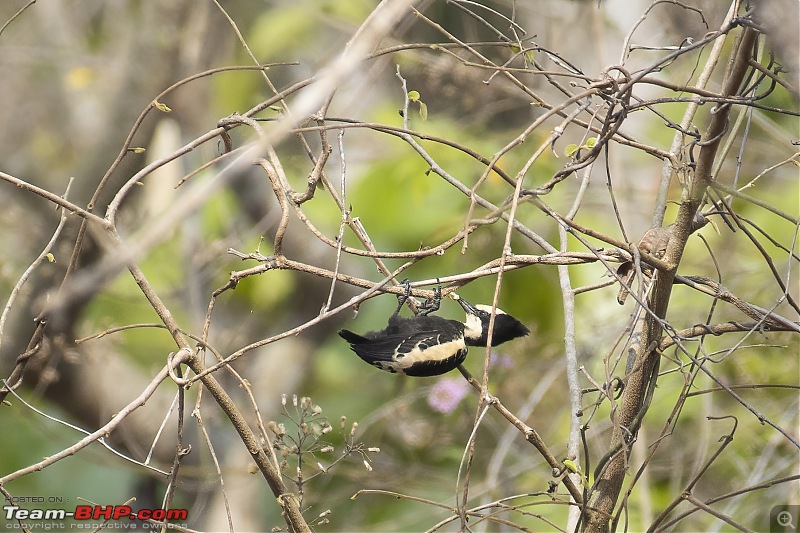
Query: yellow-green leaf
pixel 570 149
pixel 50 257
pixel 164 108
pixel 591 142
pixel 136 150
pixel 413 96
pixel 574 468
pixel 530 56
pixel 423 111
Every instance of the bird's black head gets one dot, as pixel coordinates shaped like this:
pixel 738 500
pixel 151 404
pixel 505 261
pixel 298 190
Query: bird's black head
pixel 476 327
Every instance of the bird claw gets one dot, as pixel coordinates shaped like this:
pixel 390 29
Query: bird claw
pixel 430 306
pixel 401 300
pixel 433 304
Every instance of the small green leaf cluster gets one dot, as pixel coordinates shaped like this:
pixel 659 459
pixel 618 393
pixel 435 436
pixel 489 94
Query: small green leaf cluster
pixel 414 96
pixel 574 150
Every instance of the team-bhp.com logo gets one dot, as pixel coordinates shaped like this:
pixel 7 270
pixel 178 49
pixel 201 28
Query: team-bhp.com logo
pixel 95 512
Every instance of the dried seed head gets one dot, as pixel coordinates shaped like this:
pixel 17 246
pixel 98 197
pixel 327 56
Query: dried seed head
pixel 374 449
pixel 342 421
pixel 305 403
pixel 275 428
pixel 367 466
pixel 353 429
pixel 283 400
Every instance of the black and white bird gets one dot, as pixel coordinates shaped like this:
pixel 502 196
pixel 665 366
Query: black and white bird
pixel 428 345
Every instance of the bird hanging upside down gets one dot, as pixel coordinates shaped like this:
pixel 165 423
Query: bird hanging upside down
pixel 428 345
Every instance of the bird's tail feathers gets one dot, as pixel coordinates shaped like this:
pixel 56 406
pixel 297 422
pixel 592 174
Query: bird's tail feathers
pixel 352 338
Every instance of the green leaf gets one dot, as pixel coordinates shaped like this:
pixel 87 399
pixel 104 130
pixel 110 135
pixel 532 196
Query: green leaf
pixel 591 142
pixel 572 466
pixel 570 149
pixel 413 96
pixel 51 257
pixel 530 56
pixel 423 111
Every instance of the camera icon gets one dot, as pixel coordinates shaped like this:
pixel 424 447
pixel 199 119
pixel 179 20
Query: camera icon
pixel 784 519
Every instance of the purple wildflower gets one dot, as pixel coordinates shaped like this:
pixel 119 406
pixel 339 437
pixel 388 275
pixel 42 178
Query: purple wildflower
pixel 447 393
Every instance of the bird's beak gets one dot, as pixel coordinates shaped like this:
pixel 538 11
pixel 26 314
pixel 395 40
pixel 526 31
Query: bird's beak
pixel 468 307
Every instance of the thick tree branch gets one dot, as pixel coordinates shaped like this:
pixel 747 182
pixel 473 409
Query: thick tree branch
pixel 641 379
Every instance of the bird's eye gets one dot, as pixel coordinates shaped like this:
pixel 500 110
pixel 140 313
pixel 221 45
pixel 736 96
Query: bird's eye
pixel 423 346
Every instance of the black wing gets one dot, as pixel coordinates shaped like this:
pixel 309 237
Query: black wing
pixel 420 346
